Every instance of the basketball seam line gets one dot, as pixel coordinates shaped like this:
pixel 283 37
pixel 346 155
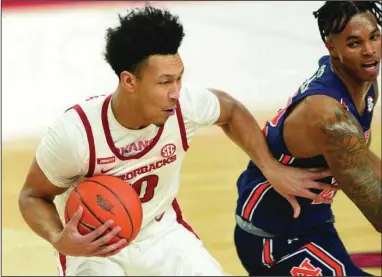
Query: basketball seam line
pixel 120 201
pixel 87 207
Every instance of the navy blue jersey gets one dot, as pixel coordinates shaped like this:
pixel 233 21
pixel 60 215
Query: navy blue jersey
pixel 258 202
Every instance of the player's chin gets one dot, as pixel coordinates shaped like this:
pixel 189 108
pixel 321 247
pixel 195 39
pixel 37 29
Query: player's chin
pixel 162 119
pixel 370 77
pixel 160 122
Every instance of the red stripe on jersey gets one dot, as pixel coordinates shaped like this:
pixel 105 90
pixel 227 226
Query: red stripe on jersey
pixel 182 128
pixel 109 139
pixel 286 159
pixel 63 263
pixel 326 258
pixel 179 217
pixel 254 199
pixel 267 252
pixel 265 130
pixel 89 134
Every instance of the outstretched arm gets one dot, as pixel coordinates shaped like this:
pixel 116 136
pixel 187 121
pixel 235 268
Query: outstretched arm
pixel 242 128
pixel 341 140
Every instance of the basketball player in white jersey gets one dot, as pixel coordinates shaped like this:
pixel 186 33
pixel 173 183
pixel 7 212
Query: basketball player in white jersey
pixel 141 133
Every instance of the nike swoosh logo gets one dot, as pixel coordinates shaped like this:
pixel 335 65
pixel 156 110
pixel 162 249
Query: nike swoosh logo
pixel 159 218
pixel 106 170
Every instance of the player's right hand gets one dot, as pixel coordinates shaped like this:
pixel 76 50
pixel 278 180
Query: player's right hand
pixel 291 182
pixel 71 242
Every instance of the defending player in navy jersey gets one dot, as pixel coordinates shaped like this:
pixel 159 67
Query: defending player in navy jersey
pixel 326 123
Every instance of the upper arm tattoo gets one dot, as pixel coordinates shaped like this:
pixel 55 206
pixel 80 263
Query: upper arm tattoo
pixel 346 152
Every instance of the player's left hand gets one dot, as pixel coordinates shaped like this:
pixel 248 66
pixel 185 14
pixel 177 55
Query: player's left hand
pixel 291 182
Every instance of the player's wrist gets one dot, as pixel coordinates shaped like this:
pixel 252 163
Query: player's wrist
pixel 54 237
pixel 269 167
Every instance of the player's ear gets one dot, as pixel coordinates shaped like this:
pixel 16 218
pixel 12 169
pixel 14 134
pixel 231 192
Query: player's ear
pixel 127 81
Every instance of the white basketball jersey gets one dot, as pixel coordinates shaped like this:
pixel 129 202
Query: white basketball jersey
pixel 87 140
pixel 154 172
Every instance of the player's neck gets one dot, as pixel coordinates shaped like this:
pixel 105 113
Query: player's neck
pixel 127 112
pixel 356 88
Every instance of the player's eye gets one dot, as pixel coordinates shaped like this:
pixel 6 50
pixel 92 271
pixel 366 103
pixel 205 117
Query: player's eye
pixel 164 83
pixel 353 44
pixel 375 36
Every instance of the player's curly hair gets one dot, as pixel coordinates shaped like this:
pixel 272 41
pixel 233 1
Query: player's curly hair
pixel 143 32
pixel 333 16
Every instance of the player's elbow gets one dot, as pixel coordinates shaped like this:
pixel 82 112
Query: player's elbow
pixel 25 200
pixel 24 204
pixel 28 197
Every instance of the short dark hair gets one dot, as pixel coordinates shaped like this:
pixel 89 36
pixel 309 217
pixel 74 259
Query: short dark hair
pixel 143 32
pixel 333 16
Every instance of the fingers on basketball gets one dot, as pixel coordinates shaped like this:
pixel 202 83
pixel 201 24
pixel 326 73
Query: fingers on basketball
pixel 104 198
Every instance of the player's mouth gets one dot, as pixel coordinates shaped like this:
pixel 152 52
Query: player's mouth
pixel 371 67
pixel 171 111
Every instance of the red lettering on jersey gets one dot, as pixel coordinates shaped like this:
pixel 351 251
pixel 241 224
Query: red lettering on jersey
pixel 129 176
pixel 172 159
pixel 166 161
pixel 151 182
pixel 327 194
pixel 159 164
pixel 133 147
pixel 107 160
pixel 146 169
pixel 306 269
pixel 142 144
pixel 168 150
pixel 137 171
pixel 146 193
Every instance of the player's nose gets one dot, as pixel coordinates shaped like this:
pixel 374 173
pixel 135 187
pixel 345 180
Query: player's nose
pixel 369 49
pixel 174 94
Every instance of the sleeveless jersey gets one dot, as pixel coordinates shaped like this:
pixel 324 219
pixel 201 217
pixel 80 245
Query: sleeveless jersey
pixel 258 202
pixel 154 172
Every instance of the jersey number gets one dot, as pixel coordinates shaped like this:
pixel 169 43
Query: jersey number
pixel 145 187
pixel 327 194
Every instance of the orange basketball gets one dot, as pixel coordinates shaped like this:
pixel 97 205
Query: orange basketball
pixel 104 198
